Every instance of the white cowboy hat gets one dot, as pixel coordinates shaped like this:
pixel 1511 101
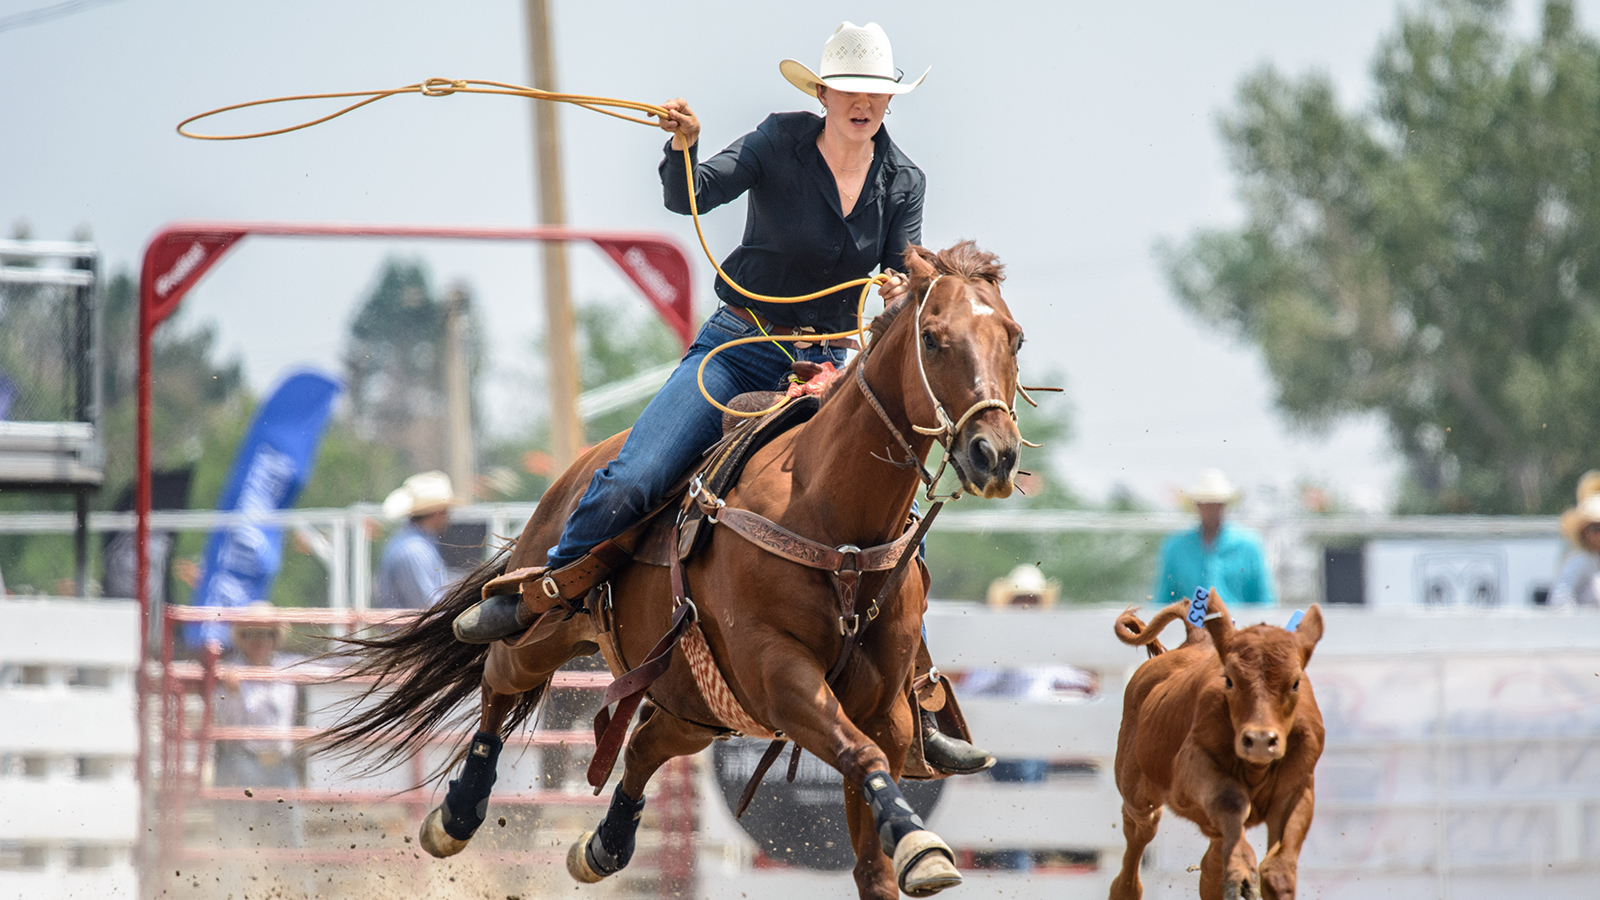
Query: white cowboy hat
pixel 419 495
pixel 279 629
pixel 1588 485
pixel 1213 487
pixel 1025 586
pixel 1575 519
pixel 857 59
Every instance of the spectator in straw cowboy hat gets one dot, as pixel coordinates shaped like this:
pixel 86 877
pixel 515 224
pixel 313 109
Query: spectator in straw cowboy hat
pixel 267 759
pixel 258 703
pixel 411 572
pixel 1579 581
pixel 1214 554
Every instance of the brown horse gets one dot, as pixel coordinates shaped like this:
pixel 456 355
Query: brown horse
pixel 773 626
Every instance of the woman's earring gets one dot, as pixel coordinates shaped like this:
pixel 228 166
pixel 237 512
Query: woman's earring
pixel 887 111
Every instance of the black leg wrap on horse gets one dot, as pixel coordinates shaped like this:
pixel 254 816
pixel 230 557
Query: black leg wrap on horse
pixel 612 846
pixel 894 815
pixel 466 804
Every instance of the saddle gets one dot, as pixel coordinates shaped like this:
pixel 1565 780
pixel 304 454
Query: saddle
pixel 649 540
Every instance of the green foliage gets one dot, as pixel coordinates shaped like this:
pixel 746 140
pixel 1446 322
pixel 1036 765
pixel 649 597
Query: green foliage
pixel 1435 260
pixel 1092 568
pixel 616 345
pixel 617 339
pixel 394 364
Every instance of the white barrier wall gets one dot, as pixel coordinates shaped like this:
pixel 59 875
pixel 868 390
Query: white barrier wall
pixel 69 795
pixel 1463 758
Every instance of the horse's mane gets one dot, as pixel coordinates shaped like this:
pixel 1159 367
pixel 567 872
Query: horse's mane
pixel 964 261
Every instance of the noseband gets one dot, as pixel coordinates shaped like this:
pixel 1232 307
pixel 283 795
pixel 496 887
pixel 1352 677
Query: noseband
pixel 945 431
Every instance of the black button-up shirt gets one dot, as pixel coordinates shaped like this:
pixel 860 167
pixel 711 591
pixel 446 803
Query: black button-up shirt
pixel 796 236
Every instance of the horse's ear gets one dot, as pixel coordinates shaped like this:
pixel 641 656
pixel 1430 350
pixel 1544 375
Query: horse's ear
pixel 1218 623
pixel 920 262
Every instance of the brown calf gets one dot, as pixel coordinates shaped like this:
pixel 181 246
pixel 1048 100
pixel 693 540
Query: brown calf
pixel 1225 731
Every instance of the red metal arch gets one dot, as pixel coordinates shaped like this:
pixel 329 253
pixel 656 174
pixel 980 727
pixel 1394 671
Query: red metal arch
pixel 180 253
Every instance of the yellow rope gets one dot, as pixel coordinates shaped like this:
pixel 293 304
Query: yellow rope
pixel 444 87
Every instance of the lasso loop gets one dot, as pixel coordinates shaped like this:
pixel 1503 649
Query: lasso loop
pixel 444 87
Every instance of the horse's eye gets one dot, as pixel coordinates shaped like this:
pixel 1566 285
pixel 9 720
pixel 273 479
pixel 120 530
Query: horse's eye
pixel 1296 686
pixel 931 342
pixel 1017 347
pixel 1227 682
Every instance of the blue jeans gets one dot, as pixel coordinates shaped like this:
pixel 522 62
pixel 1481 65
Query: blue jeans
pixel 675 430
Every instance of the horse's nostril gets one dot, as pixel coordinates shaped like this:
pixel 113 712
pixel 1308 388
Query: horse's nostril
pixel 1248 743
pixel 983 455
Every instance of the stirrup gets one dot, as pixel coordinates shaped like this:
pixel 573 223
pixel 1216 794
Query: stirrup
pixel 493 619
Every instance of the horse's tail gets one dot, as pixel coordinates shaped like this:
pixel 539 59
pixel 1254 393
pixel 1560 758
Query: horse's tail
pixel 1134 632
pixel 421 676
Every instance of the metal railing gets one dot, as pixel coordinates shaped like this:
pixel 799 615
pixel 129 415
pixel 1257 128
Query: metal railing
pixel 341 538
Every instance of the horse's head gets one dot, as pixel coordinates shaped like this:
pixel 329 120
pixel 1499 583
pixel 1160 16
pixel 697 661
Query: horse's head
pixel 962 382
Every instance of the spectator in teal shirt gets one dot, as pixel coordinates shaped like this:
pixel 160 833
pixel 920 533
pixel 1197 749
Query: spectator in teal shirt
pixel 1214 554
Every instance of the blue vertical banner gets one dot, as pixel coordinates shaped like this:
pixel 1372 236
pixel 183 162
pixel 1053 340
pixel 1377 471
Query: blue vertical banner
pixel 272 465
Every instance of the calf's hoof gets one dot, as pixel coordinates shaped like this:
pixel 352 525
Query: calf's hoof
pixel 578 865
pixel 1243 888
pixel 924 864
pixel 435 839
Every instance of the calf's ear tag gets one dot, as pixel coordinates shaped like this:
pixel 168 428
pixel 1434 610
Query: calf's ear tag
pixel 1197 607
pixel 1294 621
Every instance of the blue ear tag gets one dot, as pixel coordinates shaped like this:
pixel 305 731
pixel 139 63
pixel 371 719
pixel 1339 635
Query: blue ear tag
pixel 1197 607
pixel 1294 621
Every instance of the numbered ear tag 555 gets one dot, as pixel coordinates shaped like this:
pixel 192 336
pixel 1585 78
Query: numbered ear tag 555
pixel 1197 607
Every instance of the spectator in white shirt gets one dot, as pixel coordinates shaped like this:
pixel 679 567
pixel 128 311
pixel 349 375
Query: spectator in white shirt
pixel 266 759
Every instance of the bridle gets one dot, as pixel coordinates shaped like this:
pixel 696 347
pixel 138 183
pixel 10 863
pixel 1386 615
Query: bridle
pixel 946 430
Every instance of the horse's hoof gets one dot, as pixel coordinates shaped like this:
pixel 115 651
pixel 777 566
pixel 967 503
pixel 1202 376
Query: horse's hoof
pixel 578 861
pixel 435 839
pixel 924 864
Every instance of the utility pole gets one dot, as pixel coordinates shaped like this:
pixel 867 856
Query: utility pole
pixel 458 397
pixel 566 432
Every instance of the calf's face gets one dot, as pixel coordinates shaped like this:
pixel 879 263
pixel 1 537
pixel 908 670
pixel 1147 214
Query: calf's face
pixel 1263 672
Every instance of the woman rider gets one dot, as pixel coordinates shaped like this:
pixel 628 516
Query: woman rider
pixel 830 199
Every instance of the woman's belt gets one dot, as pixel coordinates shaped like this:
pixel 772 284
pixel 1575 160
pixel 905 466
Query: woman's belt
pixel 761 322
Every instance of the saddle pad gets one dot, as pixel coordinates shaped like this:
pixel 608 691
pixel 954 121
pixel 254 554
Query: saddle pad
pixel 714 688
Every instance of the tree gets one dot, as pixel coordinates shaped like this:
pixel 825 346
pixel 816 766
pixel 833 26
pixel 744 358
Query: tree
pixel 1435 259
pixel 394 365
pixel 1092 568
pixel 617 339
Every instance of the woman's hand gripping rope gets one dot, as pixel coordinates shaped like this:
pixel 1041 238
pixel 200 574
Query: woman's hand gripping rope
pixel 674 116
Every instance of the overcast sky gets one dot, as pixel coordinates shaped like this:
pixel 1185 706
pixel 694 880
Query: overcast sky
pixel 1068 137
